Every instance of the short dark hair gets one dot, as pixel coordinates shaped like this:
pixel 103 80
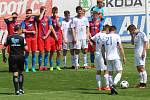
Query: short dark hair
pixel 78 8
pixel 28 10
pixel 131 27
pixel 66 12
pixel 106 27
pixel 15 13
pixel 17 27
pixel 112 28
pixel 55 9
pixel 42 8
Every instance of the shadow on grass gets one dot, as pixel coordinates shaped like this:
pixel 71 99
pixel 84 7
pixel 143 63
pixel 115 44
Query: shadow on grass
pixel 91 91
pixel 6 93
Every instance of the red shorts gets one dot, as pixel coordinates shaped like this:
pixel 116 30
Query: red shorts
pixel 44 45
pixel 91 48
pixel 56 46
pixel 31 43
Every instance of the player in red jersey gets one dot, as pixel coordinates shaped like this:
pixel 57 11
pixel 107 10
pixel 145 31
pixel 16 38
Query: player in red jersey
pixel 11 21
pixel 30 30
pixel 45 29
pixel 95 27
pixel 56 45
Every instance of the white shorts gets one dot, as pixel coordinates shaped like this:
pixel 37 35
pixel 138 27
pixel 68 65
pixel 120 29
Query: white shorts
pixel 99 61
pixel 139 61
pixel 68 46
pixel 114 65
pixel 81 44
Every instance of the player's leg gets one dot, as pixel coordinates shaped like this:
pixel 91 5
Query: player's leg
pixel 98 79
pixel 84 45
pixel 77 52
pixel 65 58
pixel 140 63
pixel 92 55
pixel 26 62
pixel 33 49
pixel 72 52
pixel 65 47
pixel 51 60
pixel 21 81
pixel 106 77
pixel 58 61
pixel 143 76
pixel 47 46
pixel 28 40
pixel 16 83
pixel 33 61
pixel 41 50
pixel 118 67
pixel 45 60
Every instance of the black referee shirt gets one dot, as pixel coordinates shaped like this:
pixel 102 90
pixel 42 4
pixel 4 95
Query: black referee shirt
pixel 16 43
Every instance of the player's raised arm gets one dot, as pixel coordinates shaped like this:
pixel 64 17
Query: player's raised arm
pixel 42 12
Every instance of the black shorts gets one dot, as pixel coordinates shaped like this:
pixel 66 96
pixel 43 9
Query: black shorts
pixel 16 63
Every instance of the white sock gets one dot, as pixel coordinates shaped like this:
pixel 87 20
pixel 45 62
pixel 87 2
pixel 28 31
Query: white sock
pixel 98 78
pixel 117 78
pixel 144 75
pixel 76 60
pixel 110 80
pixel 141 77
pixel 85 59
pixel 65 61
pixel 73 60
pixel 106 76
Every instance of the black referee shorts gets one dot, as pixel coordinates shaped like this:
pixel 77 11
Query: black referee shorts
pixel 16 63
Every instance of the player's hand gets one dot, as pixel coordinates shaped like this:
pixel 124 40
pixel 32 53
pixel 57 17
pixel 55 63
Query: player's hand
pixel 143 55
pixel 34 32
pixel 44 37
pixel 4 59
pixel 65 41
pixel 124 60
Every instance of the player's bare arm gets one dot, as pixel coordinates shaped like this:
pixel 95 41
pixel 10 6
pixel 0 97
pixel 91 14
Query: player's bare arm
pixel 87 33
pixel 42 14
pixel 122 53
pixel 54 33
pixel 64 38
pixel 3 53
pixel 144 49
pixel 74 35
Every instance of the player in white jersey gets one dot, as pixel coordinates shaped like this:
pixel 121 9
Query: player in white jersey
pixel 112 44
pixel 68 37
pixel 99 40
pixel 81 30
pixel 140 40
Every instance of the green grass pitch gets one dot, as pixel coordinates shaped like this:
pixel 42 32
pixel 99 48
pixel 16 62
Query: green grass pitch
pixel 70 84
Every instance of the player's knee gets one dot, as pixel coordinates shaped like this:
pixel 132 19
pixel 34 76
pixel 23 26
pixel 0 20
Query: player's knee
pixel 98 72
pixel 15 73
pixel 77 51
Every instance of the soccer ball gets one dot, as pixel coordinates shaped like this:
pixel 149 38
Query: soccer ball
pixel 124 84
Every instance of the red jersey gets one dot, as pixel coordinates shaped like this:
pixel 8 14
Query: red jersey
pixel 10 26
pixel 29 25
pixel 94 27
pixel 54 22
pixel 43 26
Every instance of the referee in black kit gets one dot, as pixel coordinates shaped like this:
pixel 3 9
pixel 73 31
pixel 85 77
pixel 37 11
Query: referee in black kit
pixel 17 46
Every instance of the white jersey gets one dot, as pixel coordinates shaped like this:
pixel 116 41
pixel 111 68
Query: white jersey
pixel 80 25
pixel 111 46
pixel 67 31
pixel 139 40
pixel 99 39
